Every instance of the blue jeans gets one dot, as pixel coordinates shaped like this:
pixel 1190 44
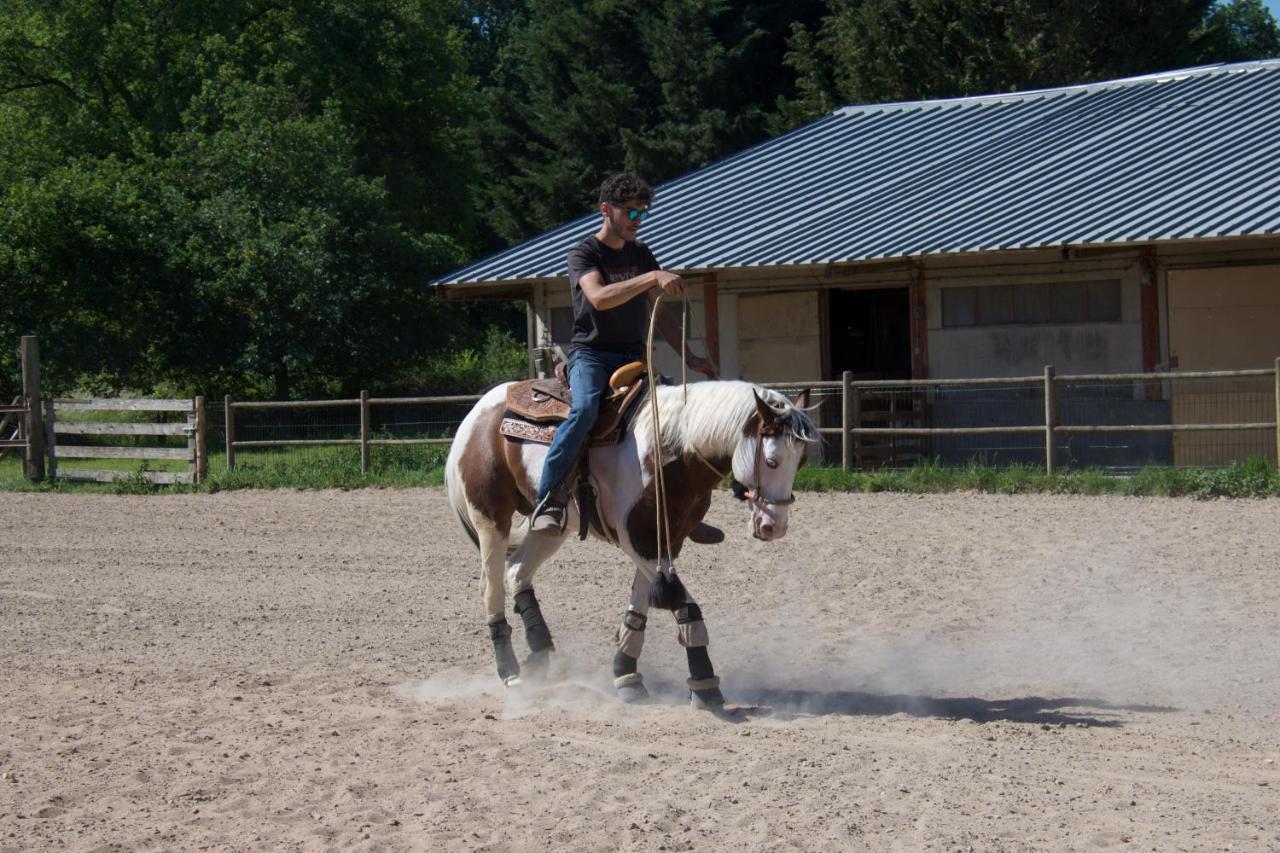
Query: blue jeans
pixel 589 371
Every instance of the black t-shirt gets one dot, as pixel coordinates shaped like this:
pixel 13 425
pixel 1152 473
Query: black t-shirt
pixel 619 329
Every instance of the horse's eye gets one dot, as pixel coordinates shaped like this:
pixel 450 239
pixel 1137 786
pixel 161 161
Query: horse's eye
pixel 771 462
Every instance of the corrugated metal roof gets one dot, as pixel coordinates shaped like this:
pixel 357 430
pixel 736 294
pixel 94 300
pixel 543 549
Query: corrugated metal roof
pixel 1180 155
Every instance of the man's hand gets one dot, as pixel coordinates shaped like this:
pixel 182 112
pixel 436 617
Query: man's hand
pixel 703 366
pixel 670 283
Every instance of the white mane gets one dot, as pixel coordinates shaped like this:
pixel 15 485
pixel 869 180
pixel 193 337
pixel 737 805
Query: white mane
pixel 711 421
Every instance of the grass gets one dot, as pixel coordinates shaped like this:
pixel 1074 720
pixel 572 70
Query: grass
pixel 1253 478
pixel 423 465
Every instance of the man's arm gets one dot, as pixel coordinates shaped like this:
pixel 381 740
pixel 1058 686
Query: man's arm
pixel 605 296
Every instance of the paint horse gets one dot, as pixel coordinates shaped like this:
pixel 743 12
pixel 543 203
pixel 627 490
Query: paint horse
pixel 708 430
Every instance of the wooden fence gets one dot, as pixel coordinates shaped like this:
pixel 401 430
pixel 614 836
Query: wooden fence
pixel 38 425
pixel 13 427
pixel 191 426
pixel 852 394
pixel 854 412
pixel 364 401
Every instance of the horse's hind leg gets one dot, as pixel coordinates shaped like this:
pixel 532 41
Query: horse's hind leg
pixel 521 566
pixel 493 553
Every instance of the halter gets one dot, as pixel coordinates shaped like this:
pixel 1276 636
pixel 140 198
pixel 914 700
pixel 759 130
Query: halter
pixel 749 492
pixel 753 494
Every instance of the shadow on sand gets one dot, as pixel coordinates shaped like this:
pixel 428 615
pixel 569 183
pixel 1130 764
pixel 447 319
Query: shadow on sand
pixel 1030 709
pixel 748 703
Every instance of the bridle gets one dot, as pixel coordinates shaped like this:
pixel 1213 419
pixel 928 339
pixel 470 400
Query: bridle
pixel 753 494
pixel 748 492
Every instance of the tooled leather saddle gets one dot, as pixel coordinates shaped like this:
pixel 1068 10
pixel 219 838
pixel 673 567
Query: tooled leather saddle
pixel 536 407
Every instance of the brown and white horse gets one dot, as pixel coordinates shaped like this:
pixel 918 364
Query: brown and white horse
pixel 708 430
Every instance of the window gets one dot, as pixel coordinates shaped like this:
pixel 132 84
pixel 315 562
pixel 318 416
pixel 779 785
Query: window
pixel 1055 302
pixel 959 308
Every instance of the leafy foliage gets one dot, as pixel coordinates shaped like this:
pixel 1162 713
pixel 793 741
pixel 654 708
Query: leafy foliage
pixel 583 89
pixel 248 196
pixel 870 51
pixel 236 195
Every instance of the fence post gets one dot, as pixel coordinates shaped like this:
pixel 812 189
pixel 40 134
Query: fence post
pixel 1050 421
pixel 846 438
pixel 231 433
pixel 364 432
pixel 51 440
pixel 202 450
pixel 30 350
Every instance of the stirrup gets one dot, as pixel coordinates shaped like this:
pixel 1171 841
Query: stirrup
pixel 549 508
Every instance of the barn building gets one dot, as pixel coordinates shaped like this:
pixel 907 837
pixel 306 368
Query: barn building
pixel 1123 226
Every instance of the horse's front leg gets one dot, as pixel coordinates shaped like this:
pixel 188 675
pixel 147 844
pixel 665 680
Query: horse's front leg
pixel 703 683
pixel 626 676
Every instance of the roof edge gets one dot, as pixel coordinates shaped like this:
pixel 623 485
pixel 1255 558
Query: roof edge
pixel 1078 88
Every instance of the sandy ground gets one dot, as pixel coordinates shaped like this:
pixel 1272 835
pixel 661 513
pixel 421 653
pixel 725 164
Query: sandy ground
pixel 267 671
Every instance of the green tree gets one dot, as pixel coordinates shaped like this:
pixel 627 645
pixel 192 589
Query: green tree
pixel 873 51
pixel 243 195
pixel 1238 31
pixel 583 89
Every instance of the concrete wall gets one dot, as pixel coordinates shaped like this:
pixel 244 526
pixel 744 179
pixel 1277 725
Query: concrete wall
pixel 1024 350
pixel 779 337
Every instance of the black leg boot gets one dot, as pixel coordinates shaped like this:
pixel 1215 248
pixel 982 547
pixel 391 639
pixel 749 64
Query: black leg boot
pixel 536 633
pixel 626 677
pixel 704 686
pixel 508 666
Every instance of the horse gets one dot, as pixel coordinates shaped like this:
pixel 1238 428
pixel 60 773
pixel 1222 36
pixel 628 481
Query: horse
pixel 707 431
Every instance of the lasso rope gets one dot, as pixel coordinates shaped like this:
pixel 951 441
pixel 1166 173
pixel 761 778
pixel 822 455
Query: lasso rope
pixel 663 525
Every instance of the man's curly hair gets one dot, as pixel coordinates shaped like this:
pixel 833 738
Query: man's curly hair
pixel 624 187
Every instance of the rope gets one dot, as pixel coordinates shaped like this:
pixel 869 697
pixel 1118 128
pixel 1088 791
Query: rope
pixel 659 485
pixel 663 525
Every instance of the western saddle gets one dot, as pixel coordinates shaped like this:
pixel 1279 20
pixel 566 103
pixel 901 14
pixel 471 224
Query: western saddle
pixel 536 407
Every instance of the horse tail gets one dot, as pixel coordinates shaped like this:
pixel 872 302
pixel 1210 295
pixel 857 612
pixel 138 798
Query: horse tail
pixel 467 526
pixel 455 492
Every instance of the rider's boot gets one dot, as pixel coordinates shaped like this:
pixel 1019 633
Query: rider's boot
pixel 551 515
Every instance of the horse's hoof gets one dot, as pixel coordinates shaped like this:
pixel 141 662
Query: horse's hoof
pixel 537 664
pixel 633 694
pixel 631 689
pixel 512 681
pixel 710 699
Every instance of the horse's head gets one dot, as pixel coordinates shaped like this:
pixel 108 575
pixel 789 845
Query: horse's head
pixel 765 462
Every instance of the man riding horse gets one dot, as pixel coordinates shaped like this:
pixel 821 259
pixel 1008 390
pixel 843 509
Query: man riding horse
pixel 650 480
pixel 608 273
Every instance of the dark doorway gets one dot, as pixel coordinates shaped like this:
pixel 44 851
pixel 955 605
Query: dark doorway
pixel 870 333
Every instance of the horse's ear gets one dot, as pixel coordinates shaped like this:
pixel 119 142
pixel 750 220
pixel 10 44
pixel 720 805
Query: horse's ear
pixel 767 415
pixel 802 399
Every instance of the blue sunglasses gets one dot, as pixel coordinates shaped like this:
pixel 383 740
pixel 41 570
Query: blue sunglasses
pixel 633 215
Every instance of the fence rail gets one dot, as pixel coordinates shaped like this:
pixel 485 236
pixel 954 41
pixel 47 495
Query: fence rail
pixel 365 440
pixel 877 422
pixel 860 422
pixel 192 429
